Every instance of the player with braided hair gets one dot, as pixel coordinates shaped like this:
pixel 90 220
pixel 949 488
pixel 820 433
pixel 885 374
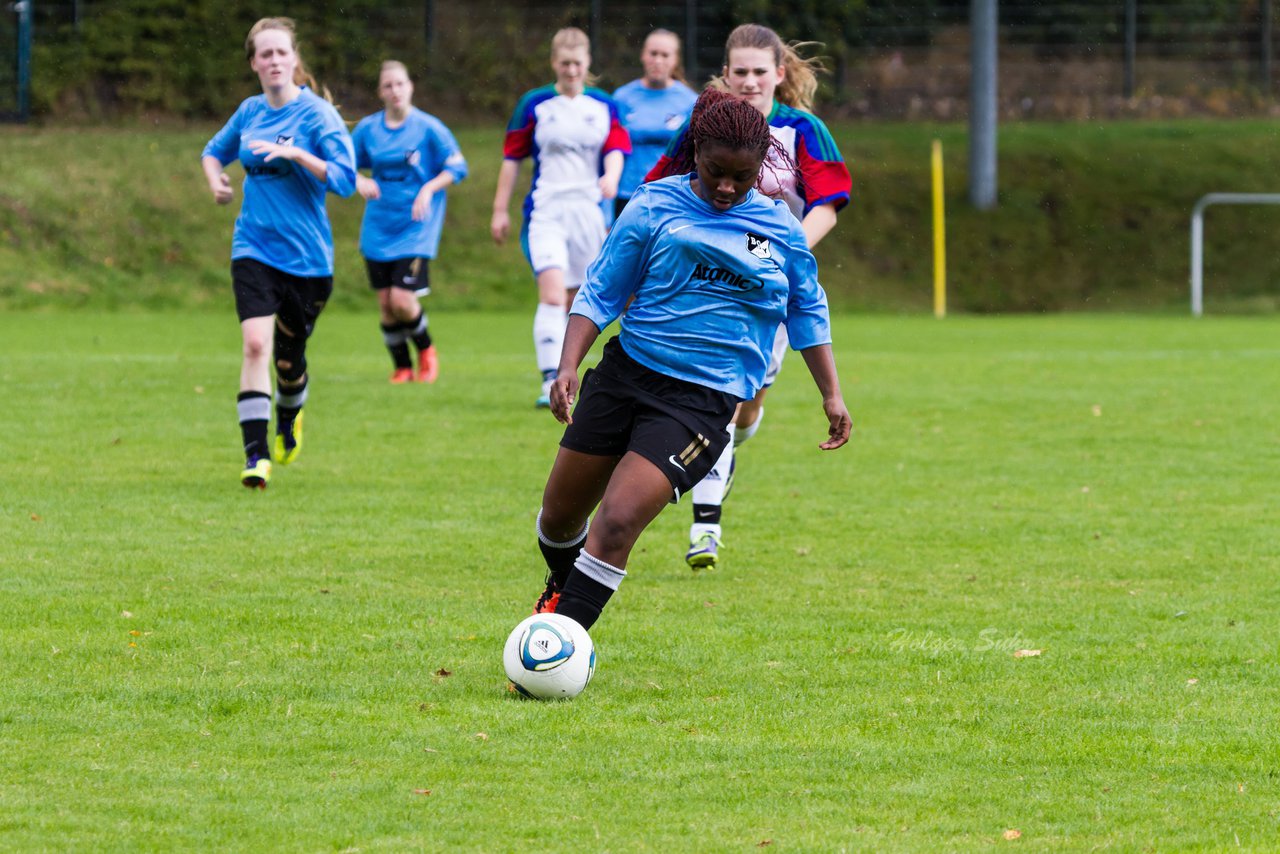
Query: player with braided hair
pixel 813 180
pixel 702 268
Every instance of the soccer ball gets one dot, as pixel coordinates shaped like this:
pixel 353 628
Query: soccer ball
pixel 549 657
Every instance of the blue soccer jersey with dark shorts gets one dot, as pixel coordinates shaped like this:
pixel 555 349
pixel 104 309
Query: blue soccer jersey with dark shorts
pixel 282 220
pixel 710 287
pixel 402 159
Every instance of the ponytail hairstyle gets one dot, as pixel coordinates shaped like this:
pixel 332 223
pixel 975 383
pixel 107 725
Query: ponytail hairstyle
pixel 572 38
pixel 677 73
pixel 800 82
pixel 719 118
pixel 301 76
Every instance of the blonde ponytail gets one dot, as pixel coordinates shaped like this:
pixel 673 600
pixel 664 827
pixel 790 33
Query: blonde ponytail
pixel 800 83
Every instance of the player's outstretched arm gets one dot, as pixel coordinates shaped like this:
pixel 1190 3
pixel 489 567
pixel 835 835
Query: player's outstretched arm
pixel 822 367
pixel 580 334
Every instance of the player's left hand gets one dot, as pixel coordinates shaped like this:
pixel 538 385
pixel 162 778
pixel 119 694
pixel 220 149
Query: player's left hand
pixel 563 392
pixel 272 150
pixel 840 424
pixel 422 204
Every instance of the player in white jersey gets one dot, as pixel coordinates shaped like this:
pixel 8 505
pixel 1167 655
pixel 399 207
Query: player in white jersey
pixel 769 75
pixel 578 146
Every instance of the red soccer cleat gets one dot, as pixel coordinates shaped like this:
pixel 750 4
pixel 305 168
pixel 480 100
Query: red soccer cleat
pixel 428 365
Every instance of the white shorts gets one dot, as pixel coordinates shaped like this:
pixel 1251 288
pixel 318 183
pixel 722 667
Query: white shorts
pixel 568 237
pixel 781 342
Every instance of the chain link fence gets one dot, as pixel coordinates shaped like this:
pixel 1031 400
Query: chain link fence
pixel 907 59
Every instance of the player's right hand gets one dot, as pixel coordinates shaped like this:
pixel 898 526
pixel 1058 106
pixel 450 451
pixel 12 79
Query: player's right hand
pixel 368 188
pixel 222 191
pixel 500 226
pixel 563 392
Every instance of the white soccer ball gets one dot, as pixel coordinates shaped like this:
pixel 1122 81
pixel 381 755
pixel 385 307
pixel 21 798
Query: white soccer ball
pixel 549 657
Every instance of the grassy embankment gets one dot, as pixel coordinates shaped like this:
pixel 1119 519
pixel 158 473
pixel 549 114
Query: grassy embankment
pixel 1090 216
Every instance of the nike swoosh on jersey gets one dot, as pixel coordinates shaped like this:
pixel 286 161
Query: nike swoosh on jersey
pixel 674 229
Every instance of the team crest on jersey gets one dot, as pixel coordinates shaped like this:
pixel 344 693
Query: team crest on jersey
pixel 412 157
pixel 758 245
pixel 284 139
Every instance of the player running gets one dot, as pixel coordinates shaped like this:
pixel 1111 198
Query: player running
pixel 702 269
pixel 578 146
pixel 413 158
pixel 294 148
pixel 653 108
pixel 769 75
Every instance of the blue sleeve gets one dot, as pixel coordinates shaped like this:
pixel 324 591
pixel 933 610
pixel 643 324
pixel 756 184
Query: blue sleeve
pixel 360 143
pixel 336 149
pixel 617 271
pixel 808 319
pixel 225 144
pixel 446 146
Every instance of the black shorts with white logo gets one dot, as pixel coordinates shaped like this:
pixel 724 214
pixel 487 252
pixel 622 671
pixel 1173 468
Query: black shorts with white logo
pixel 262 291
pixel 677 425
pixel 409 274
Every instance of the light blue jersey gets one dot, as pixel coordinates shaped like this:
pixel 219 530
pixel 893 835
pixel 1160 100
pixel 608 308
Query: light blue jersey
pixel 710 286
pixel 651 117
pixel 402 159
pixel 282 220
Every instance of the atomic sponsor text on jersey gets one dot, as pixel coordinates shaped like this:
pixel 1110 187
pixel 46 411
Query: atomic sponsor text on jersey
pixel 723 276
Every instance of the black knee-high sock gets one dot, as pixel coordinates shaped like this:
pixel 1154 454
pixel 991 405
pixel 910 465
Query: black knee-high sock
pixel 254 410
pixel 588 589
pixel 289 402
pixel 397 344
pixel 417 331
pixel 559 557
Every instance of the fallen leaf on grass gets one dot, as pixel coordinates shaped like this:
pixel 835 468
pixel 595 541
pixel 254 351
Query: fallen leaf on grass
pixel 482 736
pixel 1193 681
pixel 1027 653
pixel 443 673
pixel 764 843
pixel 126 614
pixel 1012 833
pixel 422 791
pixel 35 517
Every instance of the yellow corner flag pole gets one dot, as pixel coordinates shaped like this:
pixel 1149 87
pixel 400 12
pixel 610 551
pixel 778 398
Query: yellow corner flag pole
pixel 939 236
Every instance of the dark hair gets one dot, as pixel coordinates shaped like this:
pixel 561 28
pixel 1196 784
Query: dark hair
pixel 719 118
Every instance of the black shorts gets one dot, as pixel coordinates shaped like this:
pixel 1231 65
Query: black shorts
pixel 262 291
pixel 623 406
pixel 618 204
pixel 410 274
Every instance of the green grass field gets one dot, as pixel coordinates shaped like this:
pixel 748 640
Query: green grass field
pixel 191 666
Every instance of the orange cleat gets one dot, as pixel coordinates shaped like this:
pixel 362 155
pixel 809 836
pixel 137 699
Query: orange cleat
pixel 401 375
pixel 428 365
